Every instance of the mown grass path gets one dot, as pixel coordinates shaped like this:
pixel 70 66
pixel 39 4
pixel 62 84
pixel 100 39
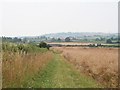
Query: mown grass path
pixel 60 74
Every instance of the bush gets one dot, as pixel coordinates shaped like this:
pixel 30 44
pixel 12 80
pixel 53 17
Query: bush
pixel 44 45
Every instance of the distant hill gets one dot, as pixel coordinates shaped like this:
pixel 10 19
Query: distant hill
pixel 78 34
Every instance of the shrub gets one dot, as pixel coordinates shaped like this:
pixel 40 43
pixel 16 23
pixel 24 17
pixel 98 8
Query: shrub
pixel 44 45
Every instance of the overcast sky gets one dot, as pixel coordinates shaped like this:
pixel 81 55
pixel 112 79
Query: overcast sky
pixel 32 17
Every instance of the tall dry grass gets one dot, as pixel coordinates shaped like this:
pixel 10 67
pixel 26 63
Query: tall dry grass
pixel 99 63
pixel 16 67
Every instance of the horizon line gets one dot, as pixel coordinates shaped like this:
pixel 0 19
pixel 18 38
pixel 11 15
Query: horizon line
pixel 55 33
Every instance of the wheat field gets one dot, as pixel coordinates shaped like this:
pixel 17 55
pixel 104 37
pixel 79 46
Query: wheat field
pixel 98 63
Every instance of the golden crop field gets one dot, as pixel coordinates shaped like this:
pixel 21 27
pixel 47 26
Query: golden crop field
pixel 99 63
pixel 69 43
pixel 74 43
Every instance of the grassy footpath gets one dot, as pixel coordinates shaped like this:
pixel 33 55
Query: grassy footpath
pixel 60 74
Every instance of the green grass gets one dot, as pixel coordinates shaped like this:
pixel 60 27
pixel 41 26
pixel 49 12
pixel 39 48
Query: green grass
pixel 60 74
